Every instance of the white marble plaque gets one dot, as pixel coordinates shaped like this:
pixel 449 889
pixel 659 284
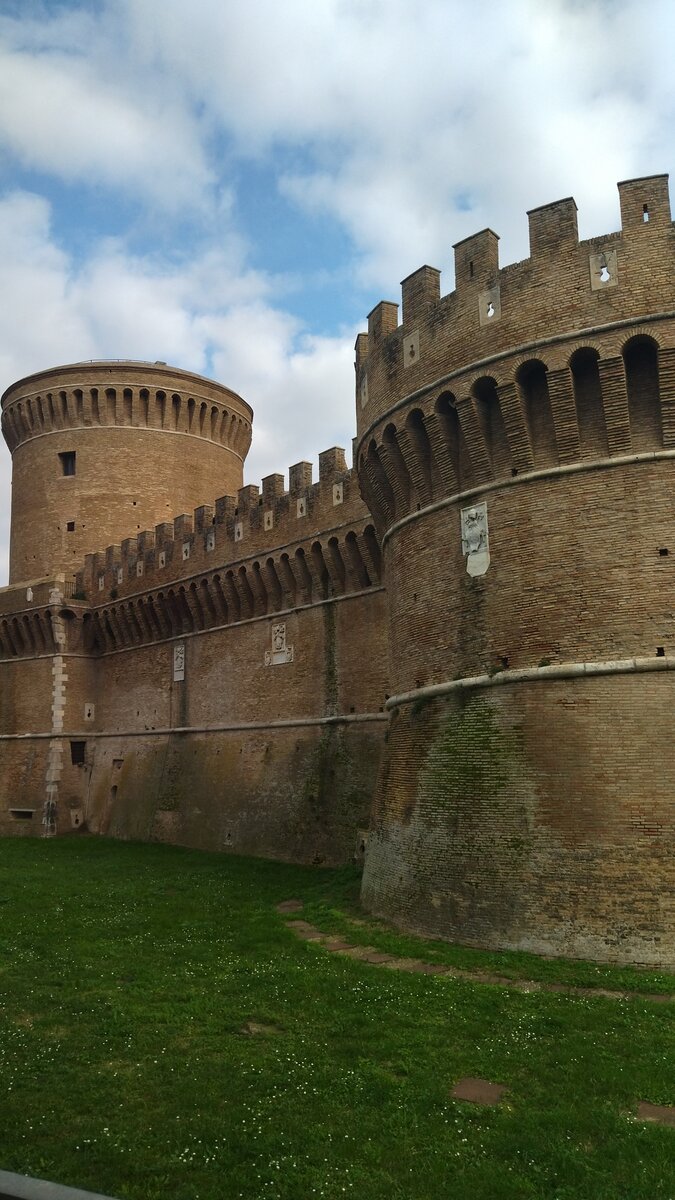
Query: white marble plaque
pixel 475 540
pixel 280 652
pixel 179 662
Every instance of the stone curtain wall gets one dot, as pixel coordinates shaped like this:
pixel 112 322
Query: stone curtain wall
pixel 221 678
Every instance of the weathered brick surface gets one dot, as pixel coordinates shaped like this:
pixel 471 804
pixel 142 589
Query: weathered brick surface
pixel 525 811
pixel 149 442
pixel 532 817
pixel 535 814
pixel 301 792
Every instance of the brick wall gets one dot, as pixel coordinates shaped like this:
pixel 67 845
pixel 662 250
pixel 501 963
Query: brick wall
pixel 529 812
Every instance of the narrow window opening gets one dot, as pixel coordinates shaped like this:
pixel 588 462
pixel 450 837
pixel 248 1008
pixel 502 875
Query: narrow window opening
pixel 470 268
pixel 645 213
pixel 77 753
pixel 70 526
pixel 660 652
pixel 22 814
pixel 67 459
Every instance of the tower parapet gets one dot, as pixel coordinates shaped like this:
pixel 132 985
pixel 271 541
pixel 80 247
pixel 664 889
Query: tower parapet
pixel 245 556
pixel 566 290
pixel 102 448
pixel 516 447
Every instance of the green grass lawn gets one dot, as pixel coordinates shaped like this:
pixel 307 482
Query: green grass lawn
pixel 130 978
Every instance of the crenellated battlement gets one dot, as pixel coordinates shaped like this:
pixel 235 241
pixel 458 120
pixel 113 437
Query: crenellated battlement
pixel 565 289
pixel 125 394
pixel 564 358
pixel 255 521
pixel 260 551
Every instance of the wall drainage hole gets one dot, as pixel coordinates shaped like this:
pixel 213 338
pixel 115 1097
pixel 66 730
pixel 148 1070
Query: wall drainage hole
pixel 663 551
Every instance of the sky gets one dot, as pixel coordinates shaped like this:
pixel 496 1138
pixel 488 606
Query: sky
pixel 231 185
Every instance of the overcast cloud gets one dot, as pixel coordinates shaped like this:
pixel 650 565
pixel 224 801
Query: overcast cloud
pixel 231 187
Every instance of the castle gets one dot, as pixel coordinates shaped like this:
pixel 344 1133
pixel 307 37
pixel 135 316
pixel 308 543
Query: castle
pixel 453 660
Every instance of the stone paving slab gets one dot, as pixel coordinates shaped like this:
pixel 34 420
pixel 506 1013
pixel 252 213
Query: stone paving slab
pixel 478 1091
pixel 414 965
pixel 290 906
pixel 306 931
pixel 662 1114
pixel 257 1028
pixel 358 952
pixel 338 944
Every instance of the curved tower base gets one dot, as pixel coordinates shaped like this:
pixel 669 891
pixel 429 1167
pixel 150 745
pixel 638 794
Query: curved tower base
pixel 515 817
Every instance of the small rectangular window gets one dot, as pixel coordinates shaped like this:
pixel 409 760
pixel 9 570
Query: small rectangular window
pixel 77 753
pixel 70 526
pixel 22 814
pixel 67 462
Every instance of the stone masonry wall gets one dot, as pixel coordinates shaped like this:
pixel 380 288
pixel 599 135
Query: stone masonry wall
pixel 220 681
pixel 522 817
pixel 517 450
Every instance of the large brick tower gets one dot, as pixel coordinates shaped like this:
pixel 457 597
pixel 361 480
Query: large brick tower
pixel 516 446
pixel 102 449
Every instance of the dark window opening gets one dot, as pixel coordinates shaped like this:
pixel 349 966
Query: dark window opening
pixel 77 753
pixel 663 551
pixel 645 213
pixel 22 814
pixel 67 462
pixel 660 652
pixel 70 526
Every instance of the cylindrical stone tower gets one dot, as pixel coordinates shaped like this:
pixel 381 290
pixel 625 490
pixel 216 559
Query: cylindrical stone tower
pixel 101 450
pixel 516 445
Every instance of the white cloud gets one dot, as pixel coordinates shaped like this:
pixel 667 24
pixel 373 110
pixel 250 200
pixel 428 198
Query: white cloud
pixel 412 126
pixel 403 116
pixel 83 115
pixel 118 305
